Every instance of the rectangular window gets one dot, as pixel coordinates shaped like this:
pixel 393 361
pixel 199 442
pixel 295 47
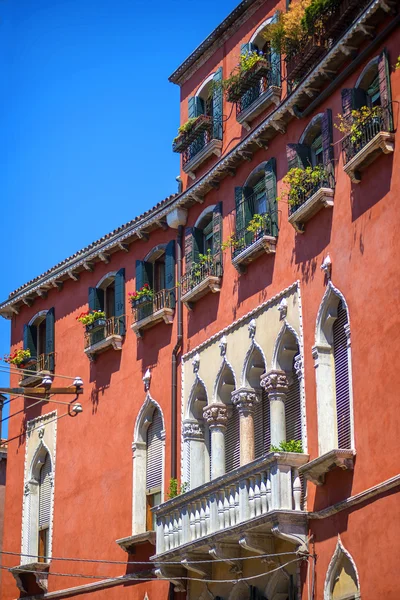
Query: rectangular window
pixel 43 543
pixel 152 499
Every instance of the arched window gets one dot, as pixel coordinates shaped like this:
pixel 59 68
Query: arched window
pixel 39 340
pixel 223 393
pixel 37 507
pixel 333 374
pixel 157 272
pixel 108 297
pixel 148 465
pixel 203 255
pixel 196 439
pixel 341 581
pixel 262 423
pixel 256 209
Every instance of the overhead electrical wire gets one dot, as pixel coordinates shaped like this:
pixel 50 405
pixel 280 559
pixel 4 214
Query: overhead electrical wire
pixel 16 371
pixel 16 437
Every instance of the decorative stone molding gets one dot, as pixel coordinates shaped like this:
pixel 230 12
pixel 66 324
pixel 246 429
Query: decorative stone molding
pixel 192 430
pixel 222 346
pixel 146 380
pixel 112 341
pixel 275 382
pixel 326 266
pixel 165 314
pixel 216 415
pixel 245 400
pixel 128 544
pixel 323 198
pixel 335 562
pixel 383 142
pixel 260 543
pixel 38 570
pixel 282 308
pixel 252 328
pixel 265 244
pixel 227 552
pixel 196 363
pixel 298 366
pixel 316 469
pixel 211 283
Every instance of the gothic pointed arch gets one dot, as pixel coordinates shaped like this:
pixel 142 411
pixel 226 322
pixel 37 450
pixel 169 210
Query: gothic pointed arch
pixel 196 438
pixel 342 581
pixel 332 355
pixel 278 586
pixel 254 366
pixel 225 384
pixel 148 464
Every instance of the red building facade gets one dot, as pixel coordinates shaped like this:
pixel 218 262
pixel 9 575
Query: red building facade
pixel 242 339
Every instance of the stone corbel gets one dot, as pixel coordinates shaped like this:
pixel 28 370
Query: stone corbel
pixel 200 569
pixel 245 400
pixel 279 126
pixel 227 552
pixel 172 574
pixel 294 534
pixel 39 572
pixel 259 543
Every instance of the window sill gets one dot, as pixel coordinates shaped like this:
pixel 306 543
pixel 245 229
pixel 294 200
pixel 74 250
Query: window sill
pixel 164 314
pixel 323 198
pixel 265 244
pixel 271 96
pixel 211 283
pixel 213 147
pixel 128 544
pixel 33 380
pixel 112 341
pixel 31 582
pixel 316 469
pixel 382 142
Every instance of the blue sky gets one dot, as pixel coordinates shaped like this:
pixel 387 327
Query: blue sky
pixel 83 85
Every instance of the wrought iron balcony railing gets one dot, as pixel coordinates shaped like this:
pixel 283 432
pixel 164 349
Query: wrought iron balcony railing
pixel 371 127
pixel 326 180
pixel 160 300
pixel 201 140
pixel 113 326
pixel 263 223
pixel 267 78
pixel 247 494
pixel 199 273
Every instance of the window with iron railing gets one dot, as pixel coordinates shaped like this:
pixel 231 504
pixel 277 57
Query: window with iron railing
pixel 268 78
pixel 256 217
pixel 366 131
pixel 324 179
pixel 113 326
pixel 150 306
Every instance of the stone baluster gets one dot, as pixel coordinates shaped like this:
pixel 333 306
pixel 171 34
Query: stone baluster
pixel 214 518
pixel 276 385
pixel 232 515
pixel 216 416
pixel 180 533
pixel 296 490
pixel 237 511
pixel 176 530
pixel 257 496
pixel 221 515
pixel 202 518
pixel 263 493
pixel 245 400
pixel 171 533
pixel 192 521
pixel 226 508
pixel 186 525
pixel 166 535
pixel 252 511
pixel 269 491
pixel 243 500
pixel 207 517
pixel 197 521
pixel 160 539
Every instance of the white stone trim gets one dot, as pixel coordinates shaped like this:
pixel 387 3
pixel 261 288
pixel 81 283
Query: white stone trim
pixel 204 213
pixel 205 82
pixel 160 248
pixel 41 313
pixel 260 28
pixel 335 561
pixel 104 279
pixel 373 61
pixel 314 121
pixel 253 346
pixel 224 364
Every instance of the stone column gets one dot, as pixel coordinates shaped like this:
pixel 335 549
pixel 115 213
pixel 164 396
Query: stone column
pixel 276 385
pixel 194 447
pixel 245 400
pixel 216 416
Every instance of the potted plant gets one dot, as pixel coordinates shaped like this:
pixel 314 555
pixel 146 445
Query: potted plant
pixel 189 131
pixel 19 358
pixel 302 183
pixel 352 126
pixel 145 294
pixel 251 68
pixel 93 319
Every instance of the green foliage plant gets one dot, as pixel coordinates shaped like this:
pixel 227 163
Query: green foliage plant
pixel 246 63
pixel 353 127
pixel 175 489
pixel 398 63
pixel 299 182
pixel 255 224
pixel 289 446
pixel 186 127
pixel 204 260
pixel 316 14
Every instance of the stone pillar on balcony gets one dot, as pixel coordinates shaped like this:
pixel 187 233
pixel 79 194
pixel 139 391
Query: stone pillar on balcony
pixel 216 416
pixel 193 440
pixel 245 400
pixel 276 385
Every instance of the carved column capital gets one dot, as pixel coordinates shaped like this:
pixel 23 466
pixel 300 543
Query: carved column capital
pixel 275 382
pixel 245 400
pixel 192 430
pixel 216 415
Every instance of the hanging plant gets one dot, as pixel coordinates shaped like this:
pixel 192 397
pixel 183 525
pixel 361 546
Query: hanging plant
pixel 144 294
pixel 18 357
pixel 300 182
pixel 189 131
pixel 352 126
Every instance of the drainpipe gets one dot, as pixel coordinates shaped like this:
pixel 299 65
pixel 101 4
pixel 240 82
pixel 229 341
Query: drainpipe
pixel 359 59
pixel 175 352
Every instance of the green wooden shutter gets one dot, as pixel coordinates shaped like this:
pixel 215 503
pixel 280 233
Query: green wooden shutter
pixel 188 249
pixel 239 223
pixel 217 105
pixel 275 59
pixel 384 87
pixel 144 274
pixel 271 192
pixel 347 95
pixel 96 298
pixel 247 48
pixel 170 272
pixel 217 238
pixel 327 137
pixel 30 339
pixel 119 302
pixel 195 107
pixel 298 156
pixel 198 243
pixel 50 339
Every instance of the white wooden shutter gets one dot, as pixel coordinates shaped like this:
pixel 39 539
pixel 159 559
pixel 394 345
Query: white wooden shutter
pixel 232 441
pixel 341 361
pixel 45 493
pixel 259 430
pixel 154 452
pixel 293 410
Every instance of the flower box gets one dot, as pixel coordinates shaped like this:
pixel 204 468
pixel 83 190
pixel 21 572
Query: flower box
pixel 142 300
pixel 97 324
pixel 248 80
pixel 183 141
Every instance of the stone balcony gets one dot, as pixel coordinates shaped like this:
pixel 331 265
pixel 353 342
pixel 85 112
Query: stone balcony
pixel 244 509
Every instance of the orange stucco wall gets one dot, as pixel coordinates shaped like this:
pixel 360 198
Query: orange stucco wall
pixel 93 486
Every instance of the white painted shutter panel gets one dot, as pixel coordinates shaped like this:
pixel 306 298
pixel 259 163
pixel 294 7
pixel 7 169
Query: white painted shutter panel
pixel 232 441
pixel 154 452
pixel 45 493
pixel 293 410
pixel 340 355
pixel 258 430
